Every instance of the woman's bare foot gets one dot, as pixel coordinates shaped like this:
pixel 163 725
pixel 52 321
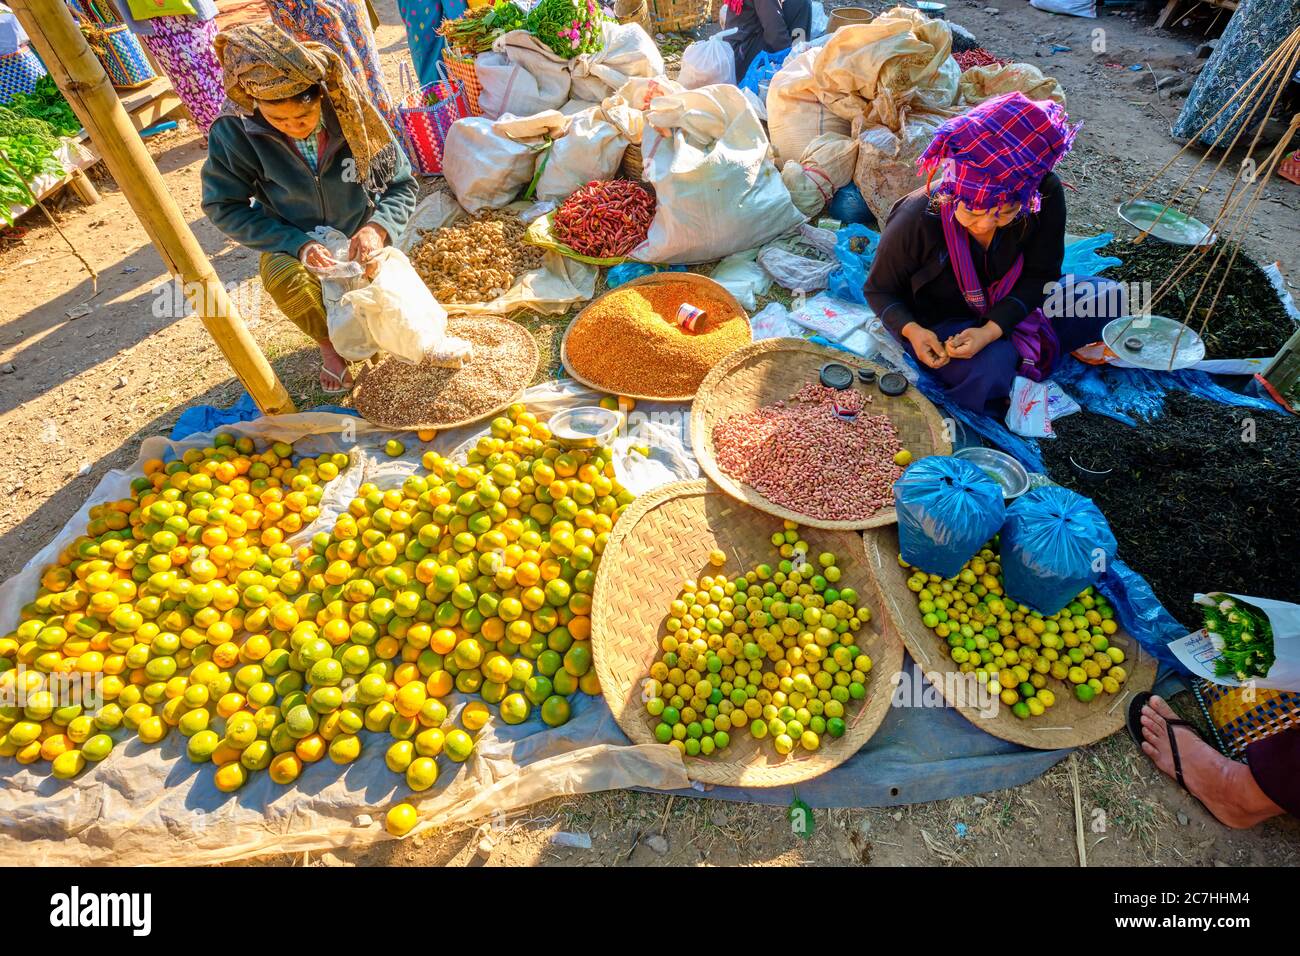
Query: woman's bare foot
pixel 1225 787
pixel 334 374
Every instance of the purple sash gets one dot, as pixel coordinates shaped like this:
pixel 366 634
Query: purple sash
pixel 1034 337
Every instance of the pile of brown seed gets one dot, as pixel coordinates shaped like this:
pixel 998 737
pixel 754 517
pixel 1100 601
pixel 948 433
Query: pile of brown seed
pixel 475 259
pixel 393 394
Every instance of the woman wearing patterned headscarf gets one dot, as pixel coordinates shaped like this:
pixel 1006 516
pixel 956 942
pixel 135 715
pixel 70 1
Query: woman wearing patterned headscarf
pixel 968 272
pixel 302 147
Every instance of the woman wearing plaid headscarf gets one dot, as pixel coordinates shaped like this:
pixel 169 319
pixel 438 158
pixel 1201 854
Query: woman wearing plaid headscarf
pixel 968 271
pixel 301 146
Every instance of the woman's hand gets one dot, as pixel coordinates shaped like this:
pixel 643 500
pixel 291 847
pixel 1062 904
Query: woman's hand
pixel 367 243
pixel 316 256
pixel 969 342
pixel 926 345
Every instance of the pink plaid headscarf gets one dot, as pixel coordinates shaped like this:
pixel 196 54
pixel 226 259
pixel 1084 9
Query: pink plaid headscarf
pixel 999 151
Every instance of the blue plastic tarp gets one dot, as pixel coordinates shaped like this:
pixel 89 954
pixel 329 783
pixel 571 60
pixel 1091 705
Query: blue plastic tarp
pixel 203 418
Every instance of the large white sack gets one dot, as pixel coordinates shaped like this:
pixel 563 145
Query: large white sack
pixel 628 52
pixel 898 64
pixel 709 61
pixel 707 156
pixel 826 164
pixel 795 116
pixel 522 76
pixel 487 162
pixel 592 148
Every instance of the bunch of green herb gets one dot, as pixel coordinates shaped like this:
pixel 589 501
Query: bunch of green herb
pixel 568 27
pixel 475 32
pixel 1242 635
pixel 45 102
pixel 28 145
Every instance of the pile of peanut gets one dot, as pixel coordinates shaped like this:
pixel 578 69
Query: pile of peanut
pixel 474 259
pixel 803 456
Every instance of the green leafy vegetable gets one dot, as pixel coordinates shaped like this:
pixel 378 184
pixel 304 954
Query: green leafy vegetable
pixel 475 32
pixel 46 103
pixel 568 27
pixel 29 144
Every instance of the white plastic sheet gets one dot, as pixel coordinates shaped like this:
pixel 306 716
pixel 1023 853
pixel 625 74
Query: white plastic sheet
pixel 150 805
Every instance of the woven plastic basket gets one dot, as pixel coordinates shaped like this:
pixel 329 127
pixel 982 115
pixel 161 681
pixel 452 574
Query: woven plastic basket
pixel 461 69
pixel 120 53
pixel 670 16
pixel 427 115
pixel 1069 723
pixel 664 537
pixel 771 371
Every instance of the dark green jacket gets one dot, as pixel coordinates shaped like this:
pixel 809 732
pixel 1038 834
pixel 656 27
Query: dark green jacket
pixel 250 160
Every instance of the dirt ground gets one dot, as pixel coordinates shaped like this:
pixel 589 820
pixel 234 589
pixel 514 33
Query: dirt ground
pixel 85 375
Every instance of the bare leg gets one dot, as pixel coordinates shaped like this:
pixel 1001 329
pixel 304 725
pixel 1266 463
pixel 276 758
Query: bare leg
pixel 1225 787
pixel 334 372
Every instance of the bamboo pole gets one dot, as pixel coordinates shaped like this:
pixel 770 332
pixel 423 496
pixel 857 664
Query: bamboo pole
pixel 88 90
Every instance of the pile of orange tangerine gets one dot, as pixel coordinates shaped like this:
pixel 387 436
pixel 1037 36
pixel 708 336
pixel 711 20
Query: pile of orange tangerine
pixel 187 607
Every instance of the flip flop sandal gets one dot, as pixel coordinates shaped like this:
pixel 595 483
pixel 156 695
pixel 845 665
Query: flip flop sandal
pixel 1171 724
pixel 337 378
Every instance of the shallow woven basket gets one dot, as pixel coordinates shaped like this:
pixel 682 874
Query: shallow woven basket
pixel 670 16
pixel 455 324
pixel 1068 723
pixel 665 537
pixel 689 278
pixel 771 371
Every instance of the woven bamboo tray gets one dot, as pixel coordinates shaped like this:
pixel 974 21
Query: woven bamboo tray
pixel 665 537
pixel 515 335
pixel 774 369
pixel 1068 723
pixel 690 278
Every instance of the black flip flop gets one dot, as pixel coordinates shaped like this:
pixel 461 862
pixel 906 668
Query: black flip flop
pixel 1135 731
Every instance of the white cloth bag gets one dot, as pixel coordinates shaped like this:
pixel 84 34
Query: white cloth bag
pixel 522 76
pixel 795 116
pixel 707 156
pixel 628 52
pixel 591 149
pixel 487 162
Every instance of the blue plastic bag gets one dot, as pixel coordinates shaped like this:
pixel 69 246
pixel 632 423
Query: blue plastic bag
pixel 762 68
pixel 1054 544
pixel 847 281
pixel 947 510
pixel 1081 257
pixel 627 271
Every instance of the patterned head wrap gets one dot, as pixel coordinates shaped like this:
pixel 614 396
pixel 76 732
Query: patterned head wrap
pixel 261 62
pixel 999 151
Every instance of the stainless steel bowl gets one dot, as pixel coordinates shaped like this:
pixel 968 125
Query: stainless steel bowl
pixel 1166 224
pixel 1010 475
pixel 588 426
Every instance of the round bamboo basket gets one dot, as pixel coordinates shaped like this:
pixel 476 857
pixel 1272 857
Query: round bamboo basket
pixel 514 334
pixel 634 11
pixel 1069 723
pixel 631 167
pixel 663 538
pixel 689 278
pixel 848 17
pixel 771 371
